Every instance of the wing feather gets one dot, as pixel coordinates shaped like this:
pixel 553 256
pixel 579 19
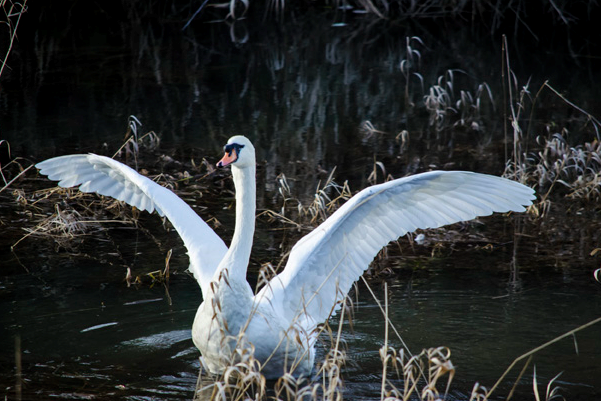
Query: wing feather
pixel 108 177
pixel 323 265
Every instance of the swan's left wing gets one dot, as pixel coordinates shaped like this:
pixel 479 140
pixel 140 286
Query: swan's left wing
pixel 105 176
pixel 323 265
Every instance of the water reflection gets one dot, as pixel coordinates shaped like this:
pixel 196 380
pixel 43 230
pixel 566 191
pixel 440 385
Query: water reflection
pixel 301 97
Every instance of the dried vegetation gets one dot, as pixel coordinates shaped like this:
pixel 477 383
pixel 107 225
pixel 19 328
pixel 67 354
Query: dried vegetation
pixel 13 11
pixel 404 375
pixel 66 216
pixel 551 159
pixel 426 376
pixel 557 153
pixel 546 162
pixel 328 197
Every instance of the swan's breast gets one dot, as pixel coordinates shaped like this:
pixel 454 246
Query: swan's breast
pixel 277 346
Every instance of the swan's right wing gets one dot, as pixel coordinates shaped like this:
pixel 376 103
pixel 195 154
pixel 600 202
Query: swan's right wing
pixel 108 177
pixel 323 265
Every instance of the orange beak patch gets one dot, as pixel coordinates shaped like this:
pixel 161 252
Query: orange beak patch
pixel 228 158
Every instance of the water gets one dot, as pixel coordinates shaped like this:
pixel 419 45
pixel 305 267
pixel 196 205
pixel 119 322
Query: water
pixel 83 333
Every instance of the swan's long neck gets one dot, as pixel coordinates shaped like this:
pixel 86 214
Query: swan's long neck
pixel 236 259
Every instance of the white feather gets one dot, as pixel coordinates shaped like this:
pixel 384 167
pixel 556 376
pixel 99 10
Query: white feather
pixel 110 178
pixel 323 265
pixel 280 320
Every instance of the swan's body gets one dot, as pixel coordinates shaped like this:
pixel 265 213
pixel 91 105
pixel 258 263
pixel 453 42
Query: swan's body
pixel 278 324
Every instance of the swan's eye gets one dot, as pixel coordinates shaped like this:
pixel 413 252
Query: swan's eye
pixel 231 147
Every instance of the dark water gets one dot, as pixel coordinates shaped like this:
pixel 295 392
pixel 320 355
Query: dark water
pixel 84 333
pixel 301 92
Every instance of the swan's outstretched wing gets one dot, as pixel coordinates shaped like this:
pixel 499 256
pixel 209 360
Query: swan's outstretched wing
pixel 323 265
pixel 108 177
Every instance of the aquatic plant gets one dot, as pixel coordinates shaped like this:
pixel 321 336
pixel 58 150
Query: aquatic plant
pixel 409 65
pixel 405 376
pixel 419 374
pixel 327 198
pixel 549 159
pixel 425 376
pixel 552 392
pixel 12 171
pixel 447 110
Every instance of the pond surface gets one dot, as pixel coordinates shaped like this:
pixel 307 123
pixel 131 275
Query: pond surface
pixel 303 92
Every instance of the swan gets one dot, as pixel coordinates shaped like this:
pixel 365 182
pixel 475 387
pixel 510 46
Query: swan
pixel 278 325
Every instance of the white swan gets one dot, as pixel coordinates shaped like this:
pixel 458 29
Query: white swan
pixel 279 323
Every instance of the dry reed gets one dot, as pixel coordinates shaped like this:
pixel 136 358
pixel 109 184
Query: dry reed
pixel 553 160
pixel 13 11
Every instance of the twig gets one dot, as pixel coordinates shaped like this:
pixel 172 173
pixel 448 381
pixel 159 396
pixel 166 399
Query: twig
pixel 540 347
pixel 383 390
pixel 596 122
pixel 195 14
pixel 13 32
pixel 13 180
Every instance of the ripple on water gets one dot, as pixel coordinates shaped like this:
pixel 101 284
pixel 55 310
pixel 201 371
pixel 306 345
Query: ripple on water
pixel 159 340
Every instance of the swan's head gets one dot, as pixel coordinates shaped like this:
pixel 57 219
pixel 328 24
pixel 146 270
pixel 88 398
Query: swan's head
pixel 239 152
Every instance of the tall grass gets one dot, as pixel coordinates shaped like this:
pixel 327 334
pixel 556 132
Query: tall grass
pixel 448 109
pixel 548 160
pixel 313 115
pixel 419 374
pixel 13 11
pixel 327 198
pixel 426 376
pixel 13 170
pixel 494 14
